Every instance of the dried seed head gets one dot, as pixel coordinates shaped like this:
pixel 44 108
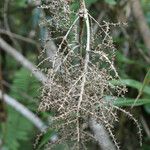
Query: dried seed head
pixel 74 93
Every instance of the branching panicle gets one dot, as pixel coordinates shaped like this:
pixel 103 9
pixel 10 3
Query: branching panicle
pixel 78 84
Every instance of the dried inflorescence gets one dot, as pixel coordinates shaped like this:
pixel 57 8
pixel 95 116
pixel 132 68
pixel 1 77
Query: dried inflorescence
pixel 60 14
pixel 78 84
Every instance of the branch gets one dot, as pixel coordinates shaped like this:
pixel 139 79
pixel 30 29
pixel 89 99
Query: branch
pixel 6 22
pixel 101 135
pixel 96 26
pixel 24 111
pixel 17 36
pixel 86 17
pixel 39 75
pixel 141 21
pixel 98 130
pixel 22 60
pixel 145 126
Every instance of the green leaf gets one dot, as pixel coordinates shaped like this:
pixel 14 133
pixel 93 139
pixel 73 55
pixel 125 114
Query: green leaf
pixel 21 3
pixel 132 83
pixel 18 129
pixel 145 82
pixel 137 85
pixel 25 88
pixel 110 2
pixel 46 138
pixel 121 58
pixel 130 102
pixel 147 108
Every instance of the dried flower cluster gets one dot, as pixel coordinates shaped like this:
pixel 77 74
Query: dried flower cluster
pixel 60 14
pixel 78 83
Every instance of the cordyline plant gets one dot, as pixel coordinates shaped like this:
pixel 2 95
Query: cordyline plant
pixel 79 76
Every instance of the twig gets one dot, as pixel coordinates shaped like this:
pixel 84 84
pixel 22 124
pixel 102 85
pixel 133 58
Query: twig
pixel 14 103
pixel 145 81
pixel 23 61
pixel 17 36
pixel 24 111
pixel 86 17
pixel 39 75
pixel 95 28
pixel 99 131
pixel 6 23
pixel 56 64
pixel 146 58
pixel 141 21
pixel 101 135
pixel 17 90
pixel 145 126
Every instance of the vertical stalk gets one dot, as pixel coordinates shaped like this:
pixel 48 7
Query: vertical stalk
pixel 86 18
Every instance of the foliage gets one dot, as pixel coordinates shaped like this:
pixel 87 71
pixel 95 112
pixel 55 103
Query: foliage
pixel 18 129
pixel 132 63
pixel 28 88
pixel 111 2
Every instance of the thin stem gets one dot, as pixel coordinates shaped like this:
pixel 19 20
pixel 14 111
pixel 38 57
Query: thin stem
pixel 86 18
pixel 24 111
pixel 23 61
pixel 64 38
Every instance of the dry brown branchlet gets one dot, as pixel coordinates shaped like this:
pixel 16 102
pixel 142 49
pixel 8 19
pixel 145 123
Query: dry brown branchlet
pixel 79 78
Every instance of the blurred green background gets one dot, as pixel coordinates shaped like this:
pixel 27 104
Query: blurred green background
pixel 19 27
